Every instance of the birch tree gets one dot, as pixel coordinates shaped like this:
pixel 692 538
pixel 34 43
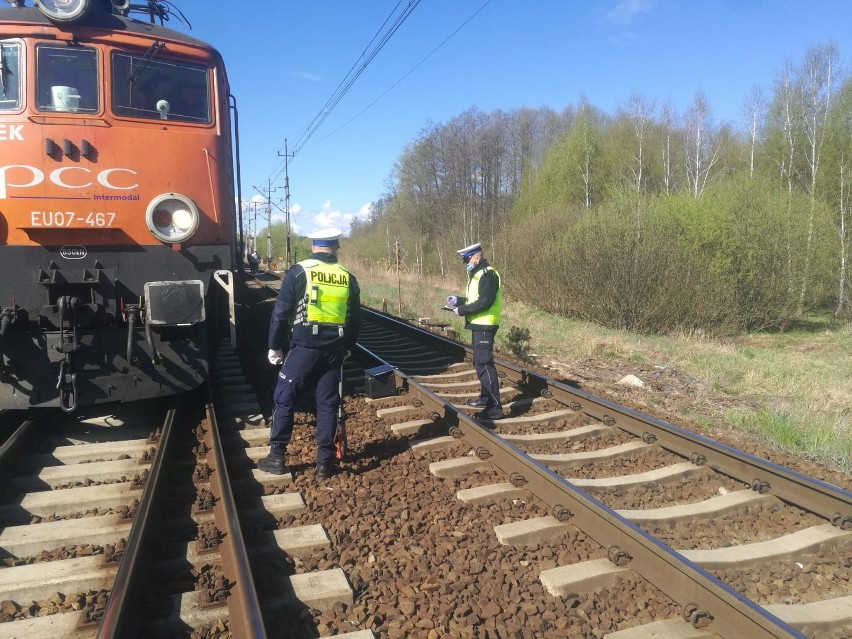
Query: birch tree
pixel 755 114
pixel 667 122
pixel 842 233
pixel 583 147
pixel 701 153
pixel 784 123
pixel 817 87
pixel 641 115
pixel 641 112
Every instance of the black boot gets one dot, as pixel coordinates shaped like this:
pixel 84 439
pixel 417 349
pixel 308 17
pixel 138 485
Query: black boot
pixel 273 463
pixel 326 469
pixel 490 414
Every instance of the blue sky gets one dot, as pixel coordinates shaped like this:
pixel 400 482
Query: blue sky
pixel 285 60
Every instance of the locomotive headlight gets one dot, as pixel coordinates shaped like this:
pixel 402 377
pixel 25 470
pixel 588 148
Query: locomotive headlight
pixel 63 10
pixel 172 217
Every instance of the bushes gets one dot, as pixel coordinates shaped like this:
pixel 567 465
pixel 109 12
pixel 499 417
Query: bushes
pixel 730 260
pixel 518 340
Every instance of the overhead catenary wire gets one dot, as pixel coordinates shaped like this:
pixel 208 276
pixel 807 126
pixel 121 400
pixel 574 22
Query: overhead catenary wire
pixel 377 43
pixel 308 131
pixel 409 72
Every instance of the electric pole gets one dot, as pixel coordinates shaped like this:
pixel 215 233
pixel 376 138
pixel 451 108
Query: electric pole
pixel 268 195
pixel 288 256
pixel 269 225
pixel 249 243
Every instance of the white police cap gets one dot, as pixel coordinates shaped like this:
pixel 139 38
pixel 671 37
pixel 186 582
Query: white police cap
pixel 469 251
pixel 326 237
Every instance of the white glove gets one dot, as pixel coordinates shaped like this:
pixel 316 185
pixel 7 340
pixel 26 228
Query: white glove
pixel 275 357
pixel 456 311
pixel 452 300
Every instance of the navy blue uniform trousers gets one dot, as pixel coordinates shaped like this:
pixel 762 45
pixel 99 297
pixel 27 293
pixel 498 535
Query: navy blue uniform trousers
pixel 304 368
pixel 483 363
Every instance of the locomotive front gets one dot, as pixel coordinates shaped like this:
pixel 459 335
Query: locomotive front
pixel 116 204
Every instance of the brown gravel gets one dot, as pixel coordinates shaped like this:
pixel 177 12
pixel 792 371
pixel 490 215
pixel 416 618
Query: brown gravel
pixel 425 565
pixel 654 495
pixel 817 577
pixel 761 523
pixel 607 439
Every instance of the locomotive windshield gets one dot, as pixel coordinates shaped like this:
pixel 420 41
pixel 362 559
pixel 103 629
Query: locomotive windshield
pixel 66 79
pixel 10 73
pixel 159 89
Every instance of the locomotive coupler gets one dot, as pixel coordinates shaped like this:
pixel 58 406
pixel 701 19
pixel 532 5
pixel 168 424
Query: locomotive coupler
pixel 67 386
pixel 67 382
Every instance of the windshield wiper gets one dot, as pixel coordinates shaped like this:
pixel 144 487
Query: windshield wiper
pixel 152 52
pixel 2 71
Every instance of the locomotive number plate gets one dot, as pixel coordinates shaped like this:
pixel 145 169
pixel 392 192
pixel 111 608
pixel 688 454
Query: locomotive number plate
pixel 68 219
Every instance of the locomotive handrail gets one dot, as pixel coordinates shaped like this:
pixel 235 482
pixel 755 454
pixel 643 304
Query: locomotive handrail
pixel 225 279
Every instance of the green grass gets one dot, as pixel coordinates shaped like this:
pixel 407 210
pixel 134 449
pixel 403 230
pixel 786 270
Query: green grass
pixel 791 389
pixel 817 439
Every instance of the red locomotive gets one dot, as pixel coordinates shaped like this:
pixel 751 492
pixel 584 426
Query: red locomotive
pixel 117 203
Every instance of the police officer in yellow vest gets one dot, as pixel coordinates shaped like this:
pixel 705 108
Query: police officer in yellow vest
pixel 315 321
pixel 481 309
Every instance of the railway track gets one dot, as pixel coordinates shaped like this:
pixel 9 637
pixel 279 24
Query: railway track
pixel 571 517
pixel 739 546
pixel 126 524
pixel 68 507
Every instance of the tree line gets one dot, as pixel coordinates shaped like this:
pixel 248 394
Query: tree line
pixel 646 218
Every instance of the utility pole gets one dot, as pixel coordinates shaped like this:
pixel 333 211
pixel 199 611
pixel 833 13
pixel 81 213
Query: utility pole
pixel 268 195
pixel 398 279
pixel 288 257
pixel 254 228
pixel 269 225
pixel 247 232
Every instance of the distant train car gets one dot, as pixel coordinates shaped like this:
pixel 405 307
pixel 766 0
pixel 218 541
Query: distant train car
pixel 116 204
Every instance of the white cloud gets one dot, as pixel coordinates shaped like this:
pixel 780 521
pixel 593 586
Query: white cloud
pixel 327 217
pixel 305 75
pixel 627 10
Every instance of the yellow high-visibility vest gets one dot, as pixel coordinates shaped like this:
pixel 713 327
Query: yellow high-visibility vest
pixel 491 315
pixel 326 293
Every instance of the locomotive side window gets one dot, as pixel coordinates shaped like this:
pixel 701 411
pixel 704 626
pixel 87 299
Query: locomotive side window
pixel 66 79
pixel 10 76
pixel 160 89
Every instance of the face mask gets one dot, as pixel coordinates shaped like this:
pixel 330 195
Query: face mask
pixel 469 266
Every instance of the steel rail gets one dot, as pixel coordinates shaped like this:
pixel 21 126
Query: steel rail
pixel 123 611
pixel 10 451
pixel 246 619
pixel 718 607
pixel 826 500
